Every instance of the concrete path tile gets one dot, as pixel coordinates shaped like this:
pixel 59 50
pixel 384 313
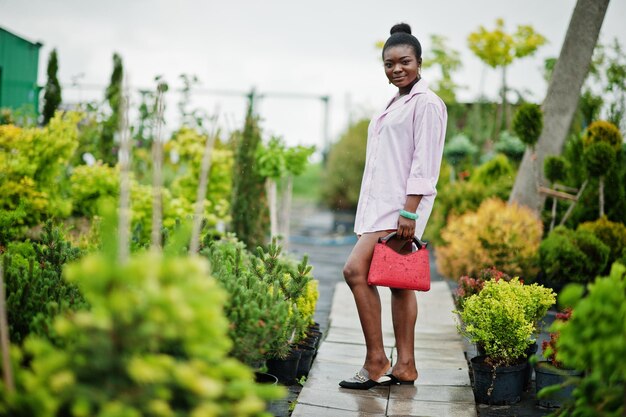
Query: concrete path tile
pixel 344 400
pixel 435 393
pixel 304 410
pixel 454 377
pixel 430 409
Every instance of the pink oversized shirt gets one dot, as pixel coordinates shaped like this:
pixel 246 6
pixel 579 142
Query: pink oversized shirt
pixel 403 157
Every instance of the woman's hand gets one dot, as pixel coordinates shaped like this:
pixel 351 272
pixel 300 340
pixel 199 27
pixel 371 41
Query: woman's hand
pixel 406 228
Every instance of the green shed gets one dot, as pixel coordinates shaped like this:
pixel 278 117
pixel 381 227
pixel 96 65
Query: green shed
pixel 19 64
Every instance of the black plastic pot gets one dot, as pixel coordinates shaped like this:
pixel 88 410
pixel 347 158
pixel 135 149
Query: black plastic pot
pixel 502 385
pixel 285 369
pixel 530 351
pixel 306 359
pixel 545 376
pixel 265 378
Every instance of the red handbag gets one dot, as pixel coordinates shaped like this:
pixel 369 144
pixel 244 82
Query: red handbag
pixel 394 270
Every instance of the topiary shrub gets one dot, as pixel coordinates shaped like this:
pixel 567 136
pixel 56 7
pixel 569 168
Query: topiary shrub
pixel 510 145
pixel 344 170
pixel 459 151
pixel 154 343
pixel 497 234
pixel 555 168
pixel 568 256
pixel 612 234
pixel 528 123
pixel 605 132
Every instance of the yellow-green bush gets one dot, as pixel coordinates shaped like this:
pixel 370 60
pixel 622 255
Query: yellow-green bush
pixel 307 302
pixel 502 318
pixel 32 164
pixel 603 131
pixel 612 234
pixel 89 183
pixel 153 343
pixel 500 235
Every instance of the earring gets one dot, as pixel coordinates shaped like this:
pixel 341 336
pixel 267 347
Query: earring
pixel 389 81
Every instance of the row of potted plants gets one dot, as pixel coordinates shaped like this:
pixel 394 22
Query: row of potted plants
pixel 271 306
pixel 583 371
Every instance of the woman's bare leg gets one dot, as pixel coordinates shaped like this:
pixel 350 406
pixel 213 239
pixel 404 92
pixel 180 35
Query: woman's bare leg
pixel 367 303
pixel 404 314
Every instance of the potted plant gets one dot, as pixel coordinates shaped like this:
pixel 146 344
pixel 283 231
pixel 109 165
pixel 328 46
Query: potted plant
pixel 552 372
pixel 501 319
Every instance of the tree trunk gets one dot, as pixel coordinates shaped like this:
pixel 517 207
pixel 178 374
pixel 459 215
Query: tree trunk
pixel 562 98
pixel 285 211
pixel 601 194
pixel 270 187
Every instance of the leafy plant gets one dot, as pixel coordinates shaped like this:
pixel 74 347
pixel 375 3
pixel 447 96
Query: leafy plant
pixel 501 318
pixel 106 149
pixel 469 286
pixel 603 131
pixel 510 145
pixel 460 151
pixel 89 184
pixel 549 347
pixel 497 234
pixel 593 340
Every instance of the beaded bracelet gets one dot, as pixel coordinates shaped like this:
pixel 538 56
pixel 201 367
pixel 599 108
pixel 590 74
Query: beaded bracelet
pixel 408 215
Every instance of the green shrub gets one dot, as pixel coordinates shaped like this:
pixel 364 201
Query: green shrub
pixel 346 162
pixel 502 317
pixel 153 343
pixel 497 169
pixel 35 289
pixel 612 234
pixel 510 145
pixel 528 123
pixel 32 163
pixel 568 256
pixel 605 132
pixel 594 341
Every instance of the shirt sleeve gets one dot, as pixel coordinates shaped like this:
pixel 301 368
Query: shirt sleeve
pixel 428 137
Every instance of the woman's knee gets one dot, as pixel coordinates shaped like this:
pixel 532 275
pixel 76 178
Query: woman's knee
pixel 353 274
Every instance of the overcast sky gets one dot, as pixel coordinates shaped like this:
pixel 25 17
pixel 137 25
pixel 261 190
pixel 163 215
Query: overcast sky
pixel 320 47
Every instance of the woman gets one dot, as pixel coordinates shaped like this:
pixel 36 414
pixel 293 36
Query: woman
pixel 404 150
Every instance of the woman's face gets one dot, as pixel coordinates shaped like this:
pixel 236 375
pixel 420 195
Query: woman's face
pixel 401 65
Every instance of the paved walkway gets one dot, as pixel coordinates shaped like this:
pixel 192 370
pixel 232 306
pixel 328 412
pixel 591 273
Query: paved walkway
pixel 442 390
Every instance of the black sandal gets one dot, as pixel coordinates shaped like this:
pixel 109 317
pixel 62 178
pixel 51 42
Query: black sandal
pixel 393 380
pixel 361 380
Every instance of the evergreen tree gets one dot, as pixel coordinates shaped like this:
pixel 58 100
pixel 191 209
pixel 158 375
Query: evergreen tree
pixel 111 125
pixel 248 208
pixel 52 94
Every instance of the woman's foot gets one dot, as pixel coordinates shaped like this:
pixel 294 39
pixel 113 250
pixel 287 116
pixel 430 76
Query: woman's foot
pixel 371 375
pixel 404 373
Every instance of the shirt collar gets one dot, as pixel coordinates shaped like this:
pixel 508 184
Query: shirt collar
pixel 419 87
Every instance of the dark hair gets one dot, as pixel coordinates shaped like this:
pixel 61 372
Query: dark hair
pixel 401 35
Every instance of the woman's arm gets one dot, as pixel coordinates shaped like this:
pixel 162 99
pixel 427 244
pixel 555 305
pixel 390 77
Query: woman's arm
pixel 406 227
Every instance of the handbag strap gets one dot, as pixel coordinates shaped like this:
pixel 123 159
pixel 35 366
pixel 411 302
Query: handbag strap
pixel 419 243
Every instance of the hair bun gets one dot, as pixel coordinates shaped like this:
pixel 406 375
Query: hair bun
pixel 400 28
